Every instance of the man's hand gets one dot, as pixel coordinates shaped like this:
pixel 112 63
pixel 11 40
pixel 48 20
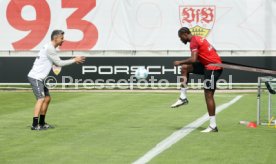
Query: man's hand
pixel 177 63
pixel 189 60
pixel 79 59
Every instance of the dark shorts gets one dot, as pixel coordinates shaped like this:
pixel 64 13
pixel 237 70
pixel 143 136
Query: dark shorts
pixel 39 89
pixel 210 76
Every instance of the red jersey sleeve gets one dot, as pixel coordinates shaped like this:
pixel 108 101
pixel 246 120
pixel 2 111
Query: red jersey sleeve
pixel 194 45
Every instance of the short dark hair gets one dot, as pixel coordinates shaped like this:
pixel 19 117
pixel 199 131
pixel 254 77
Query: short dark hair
pixel 183 30
pixel 55 33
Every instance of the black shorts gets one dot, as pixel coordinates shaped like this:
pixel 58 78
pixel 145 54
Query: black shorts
pixel 39 89
pixel 210 76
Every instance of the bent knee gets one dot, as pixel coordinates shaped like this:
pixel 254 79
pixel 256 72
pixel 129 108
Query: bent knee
pixel 47 99
pixel 209 93
pixel 186 68
pixel 42 99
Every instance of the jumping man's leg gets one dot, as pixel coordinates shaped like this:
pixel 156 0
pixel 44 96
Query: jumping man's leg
pixel 184 80
pixel 211 106
pixel 209 91
pixel 185 70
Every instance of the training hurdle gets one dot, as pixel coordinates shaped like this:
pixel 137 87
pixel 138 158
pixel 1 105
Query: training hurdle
pixel 270 83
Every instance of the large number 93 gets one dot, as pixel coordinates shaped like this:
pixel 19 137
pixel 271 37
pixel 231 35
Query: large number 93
pixel 39 27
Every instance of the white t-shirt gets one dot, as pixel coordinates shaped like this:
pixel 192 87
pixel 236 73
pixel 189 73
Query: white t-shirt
pixel 47 56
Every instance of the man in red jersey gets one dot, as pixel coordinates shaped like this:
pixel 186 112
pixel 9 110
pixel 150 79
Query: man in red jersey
pixel 202 54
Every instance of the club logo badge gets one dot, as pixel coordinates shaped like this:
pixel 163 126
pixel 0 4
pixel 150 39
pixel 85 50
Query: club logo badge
pixel 56 70
pixel 199 19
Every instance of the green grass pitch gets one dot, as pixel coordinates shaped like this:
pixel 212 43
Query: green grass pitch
pixel 119 128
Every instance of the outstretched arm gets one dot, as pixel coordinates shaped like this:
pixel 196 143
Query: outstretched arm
pixel 58 62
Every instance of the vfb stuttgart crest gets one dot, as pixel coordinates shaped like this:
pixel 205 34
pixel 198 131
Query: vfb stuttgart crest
pixel 199 19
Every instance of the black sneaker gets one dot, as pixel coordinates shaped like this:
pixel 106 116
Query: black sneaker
pixel 38 127
pixel 180 102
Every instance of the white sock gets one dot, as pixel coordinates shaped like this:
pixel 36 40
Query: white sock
pixel 213 121
pixel 183 93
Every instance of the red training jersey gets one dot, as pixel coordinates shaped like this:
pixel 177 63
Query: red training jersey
pixel 206 52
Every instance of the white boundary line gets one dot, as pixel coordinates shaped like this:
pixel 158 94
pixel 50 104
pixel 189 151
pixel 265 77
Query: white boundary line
pixel 178 135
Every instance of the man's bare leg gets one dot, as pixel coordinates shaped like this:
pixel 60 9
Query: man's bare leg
pixel 210 102
pixel 44 109
pixel 211 107
pixel 185 69
pixel 37 110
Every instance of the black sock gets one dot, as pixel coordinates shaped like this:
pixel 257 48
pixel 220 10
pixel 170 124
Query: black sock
pixel 35 121
pixel 42 120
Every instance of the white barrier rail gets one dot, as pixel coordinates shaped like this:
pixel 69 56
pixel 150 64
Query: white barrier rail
pixel 125 53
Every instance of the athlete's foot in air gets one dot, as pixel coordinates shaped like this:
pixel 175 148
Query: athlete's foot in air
pixel 179 103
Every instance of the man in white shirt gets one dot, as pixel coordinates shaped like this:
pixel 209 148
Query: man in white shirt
pixel 46 58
